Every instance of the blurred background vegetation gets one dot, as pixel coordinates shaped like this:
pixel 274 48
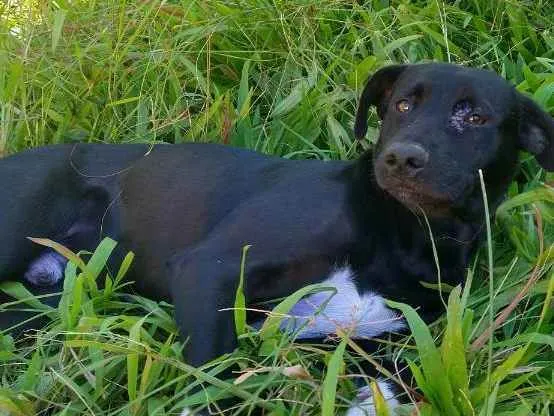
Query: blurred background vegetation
pixel 278 76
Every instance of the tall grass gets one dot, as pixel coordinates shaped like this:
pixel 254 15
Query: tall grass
pixel 281 77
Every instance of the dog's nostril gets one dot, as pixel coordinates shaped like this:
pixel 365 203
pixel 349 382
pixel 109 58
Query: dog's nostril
pixel 390 159
pixel 415 163
pixel 405 158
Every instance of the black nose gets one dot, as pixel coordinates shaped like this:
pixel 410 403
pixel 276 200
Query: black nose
pixel 405 158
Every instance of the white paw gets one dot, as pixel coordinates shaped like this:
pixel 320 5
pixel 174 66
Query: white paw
pixel 365 406
pixel 46 270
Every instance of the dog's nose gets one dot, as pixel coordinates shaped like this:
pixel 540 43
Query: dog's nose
pixel 405 158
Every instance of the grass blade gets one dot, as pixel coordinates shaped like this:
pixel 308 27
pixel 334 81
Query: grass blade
pixel 334 369
pixel 433 368
pixel 59 18
pixel 57 247
pixel 17 291
pixel 240 300
pixel 381 408
pixel 453 352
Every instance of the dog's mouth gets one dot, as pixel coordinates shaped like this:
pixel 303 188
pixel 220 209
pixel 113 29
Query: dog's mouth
pixel 416 196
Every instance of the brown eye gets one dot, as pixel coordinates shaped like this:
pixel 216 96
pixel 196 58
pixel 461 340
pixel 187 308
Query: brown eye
pixel 403 106
pixel 475 119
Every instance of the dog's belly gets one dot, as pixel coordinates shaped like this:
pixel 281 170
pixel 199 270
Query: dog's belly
pixel 361 315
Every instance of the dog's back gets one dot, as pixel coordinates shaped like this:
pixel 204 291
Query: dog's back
pixel 155 200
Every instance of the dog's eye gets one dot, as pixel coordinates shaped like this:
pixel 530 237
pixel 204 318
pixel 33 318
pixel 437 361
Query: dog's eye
pixel 403 106
pixel 475 119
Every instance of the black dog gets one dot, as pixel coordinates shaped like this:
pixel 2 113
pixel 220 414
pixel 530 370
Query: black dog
pixel 354 224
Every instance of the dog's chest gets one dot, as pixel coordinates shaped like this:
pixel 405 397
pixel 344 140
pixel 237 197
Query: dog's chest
pixel 362 315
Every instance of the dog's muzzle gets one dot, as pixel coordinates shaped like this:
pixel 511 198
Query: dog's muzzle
pixel 399 170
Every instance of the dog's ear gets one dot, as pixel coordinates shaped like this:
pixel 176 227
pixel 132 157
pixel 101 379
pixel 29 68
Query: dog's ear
pixel 376 92
pixel 536 132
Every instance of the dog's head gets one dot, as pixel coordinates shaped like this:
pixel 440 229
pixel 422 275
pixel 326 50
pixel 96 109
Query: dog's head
pixel 441 123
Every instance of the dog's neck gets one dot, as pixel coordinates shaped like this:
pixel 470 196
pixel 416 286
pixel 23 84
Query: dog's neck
pixel 389 230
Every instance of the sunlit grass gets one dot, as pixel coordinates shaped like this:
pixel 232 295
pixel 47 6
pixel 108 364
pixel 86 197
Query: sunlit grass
pixel 281 77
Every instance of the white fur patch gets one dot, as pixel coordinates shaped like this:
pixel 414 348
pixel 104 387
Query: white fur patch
pixel 46 270
pixel 365 405
pixel 361 315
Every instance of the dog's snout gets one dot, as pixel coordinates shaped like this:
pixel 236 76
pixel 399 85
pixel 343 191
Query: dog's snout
pixel 405 159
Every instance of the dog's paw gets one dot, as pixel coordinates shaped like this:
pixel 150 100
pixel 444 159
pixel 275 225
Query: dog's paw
pixel 46 270
pixel 365 406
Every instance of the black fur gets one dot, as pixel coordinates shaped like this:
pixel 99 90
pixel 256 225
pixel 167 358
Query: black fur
pixel 195 206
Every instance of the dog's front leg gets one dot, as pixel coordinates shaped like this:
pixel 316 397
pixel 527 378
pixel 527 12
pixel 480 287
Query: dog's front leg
pixel 290 249
pixel 201 288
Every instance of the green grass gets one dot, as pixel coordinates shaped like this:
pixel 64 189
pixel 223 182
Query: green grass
pixel 281 77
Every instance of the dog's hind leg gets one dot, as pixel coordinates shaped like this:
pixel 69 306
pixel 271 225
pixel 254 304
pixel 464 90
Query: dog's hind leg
pixel 46 270
pixel 85 233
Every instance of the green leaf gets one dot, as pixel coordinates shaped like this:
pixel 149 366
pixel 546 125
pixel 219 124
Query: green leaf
pixel 202 119
pixel 329 386
pixel 78 390
pixel 433 368
pixel 296 95
pixel 420 379
pixel 100 257
pixel 543 95
pixel 243 99
pixel 124 268
pixel 13 82
pixel 29 379
pixel 127 100
pixel 529 197
pixel 64 307
pixel 133 359
pixel 362 71
pixel 509 389
pixel 77 295
pixel 194 70
pixel 439 287
pixel 97 356
pixel 398 43
pixel 57 247
pixel 12 405
pixel 453 352
pixel 339 135
pixel 17 291
pixel 59 18
pixel 500 373
pixel 439 38
pixel 380 404
pixel 536 338
pixel 488 410
pixel 145 376
pixel 240 300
